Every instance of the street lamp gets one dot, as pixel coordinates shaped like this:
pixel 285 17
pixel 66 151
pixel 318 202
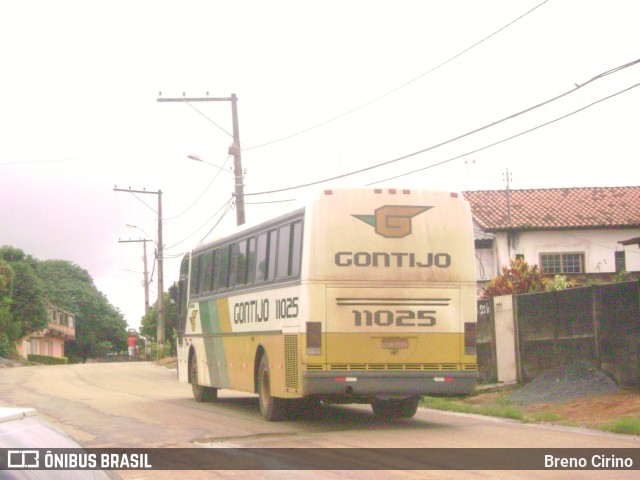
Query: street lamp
pixel 198 159
pixel 238 173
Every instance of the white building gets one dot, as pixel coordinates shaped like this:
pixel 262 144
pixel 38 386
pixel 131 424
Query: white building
pixel 577 232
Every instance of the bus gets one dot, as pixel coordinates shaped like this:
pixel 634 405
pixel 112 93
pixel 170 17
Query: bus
pixel 358 296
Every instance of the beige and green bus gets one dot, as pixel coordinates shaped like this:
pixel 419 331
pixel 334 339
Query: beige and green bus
pixel 359 296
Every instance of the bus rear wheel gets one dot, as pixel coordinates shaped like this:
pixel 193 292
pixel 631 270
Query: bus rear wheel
pixel 404 408
pixel 200 393
pixel 273 409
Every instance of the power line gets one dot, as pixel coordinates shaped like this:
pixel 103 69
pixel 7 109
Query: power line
pixel 508 138
pixel 229 205
pixel 459 137
pixel 203 192
pixel 198 111
pixel 399 87
pixel 271 201
pixel 225 205
pixel 144 203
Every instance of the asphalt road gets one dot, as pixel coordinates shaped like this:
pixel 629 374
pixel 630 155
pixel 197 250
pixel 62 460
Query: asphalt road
pixel 142 405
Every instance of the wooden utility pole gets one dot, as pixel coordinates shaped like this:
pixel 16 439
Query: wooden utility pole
pixel 159 257
pixel 234 148
pixel 145 272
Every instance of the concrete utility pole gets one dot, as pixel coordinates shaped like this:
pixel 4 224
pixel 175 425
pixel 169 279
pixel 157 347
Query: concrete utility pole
pixel 159 256
pixel 509 239
pixel 145 272
pixel 234 148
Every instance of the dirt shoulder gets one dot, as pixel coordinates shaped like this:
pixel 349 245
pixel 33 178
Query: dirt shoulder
pixel 594 410
pixel 591 411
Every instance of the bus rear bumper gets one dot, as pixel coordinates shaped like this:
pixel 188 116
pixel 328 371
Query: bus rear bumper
pixel 388 383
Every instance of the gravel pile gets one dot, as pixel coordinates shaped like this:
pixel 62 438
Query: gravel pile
pixel 570 381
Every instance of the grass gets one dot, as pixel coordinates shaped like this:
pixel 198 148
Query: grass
pixel 499 405
pixel 627 425
pixel 545 417
pixel 500 409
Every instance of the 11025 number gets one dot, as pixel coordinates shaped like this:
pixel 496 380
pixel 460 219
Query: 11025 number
pixel 398 318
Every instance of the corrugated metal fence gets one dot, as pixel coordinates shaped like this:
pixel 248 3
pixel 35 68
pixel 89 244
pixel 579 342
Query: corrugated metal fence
pixel 599 323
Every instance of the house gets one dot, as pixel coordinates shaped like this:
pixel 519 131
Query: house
pixel 577 232
pixel 50 341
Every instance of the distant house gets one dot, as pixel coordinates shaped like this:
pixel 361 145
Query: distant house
pixel 61 326
pixel 578 232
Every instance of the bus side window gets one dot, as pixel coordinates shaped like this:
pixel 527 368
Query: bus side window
pixel 195 275
pixel 289 250
pixel 284 250
pixel 265 256
pixel 271 265
pixel 296 250
pixel 213 279
pixel 203 284
pixel 234 274
pixel 241 263
pixel 251 260
pixel 222 265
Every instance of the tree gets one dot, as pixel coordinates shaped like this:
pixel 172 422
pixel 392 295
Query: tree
pixel 6 320
pixel 100 327
pixel 149 327
pixel 27 307
pixel 518 277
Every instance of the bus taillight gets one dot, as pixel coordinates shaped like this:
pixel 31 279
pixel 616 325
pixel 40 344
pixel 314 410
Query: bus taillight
pixel 314 338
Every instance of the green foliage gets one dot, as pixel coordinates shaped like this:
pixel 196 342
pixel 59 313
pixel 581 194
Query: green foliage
pixel 27 285
pixel 559 282
pixel 149 327
pixel 100 327
pixel 7 277
pixel 6 292
pixel 454 405
pixel 627 425
pixel 46 360
pixel 518 277
pixel 22 305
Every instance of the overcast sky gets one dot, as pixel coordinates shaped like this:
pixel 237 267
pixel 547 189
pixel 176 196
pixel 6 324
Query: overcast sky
pixel 330 87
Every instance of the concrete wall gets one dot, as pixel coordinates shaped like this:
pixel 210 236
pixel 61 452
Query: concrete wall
pixel 598 245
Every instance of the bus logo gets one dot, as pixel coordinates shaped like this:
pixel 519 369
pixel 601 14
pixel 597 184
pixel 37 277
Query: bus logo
pixel 392 221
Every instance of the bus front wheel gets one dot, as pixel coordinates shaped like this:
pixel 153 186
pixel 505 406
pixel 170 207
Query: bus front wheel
pixel 200 393
pixel 273 409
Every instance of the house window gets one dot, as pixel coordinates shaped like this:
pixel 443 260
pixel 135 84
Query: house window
pixel 562 262
pixel 483 243
pixel 621 264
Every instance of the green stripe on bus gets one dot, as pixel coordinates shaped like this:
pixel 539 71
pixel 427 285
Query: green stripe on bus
pixel 214 350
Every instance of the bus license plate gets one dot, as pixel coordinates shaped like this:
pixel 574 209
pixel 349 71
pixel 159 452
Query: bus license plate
pixel 395 343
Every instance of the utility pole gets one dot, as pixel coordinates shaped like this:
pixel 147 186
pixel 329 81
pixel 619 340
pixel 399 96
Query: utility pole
pixel 159 256
pixel 234 148
pixel 160 330
pixel 508 178
pixel 145 272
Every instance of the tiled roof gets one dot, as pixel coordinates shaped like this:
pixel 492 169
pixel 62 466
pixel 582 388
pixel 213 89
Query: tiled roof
pixel 557 208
